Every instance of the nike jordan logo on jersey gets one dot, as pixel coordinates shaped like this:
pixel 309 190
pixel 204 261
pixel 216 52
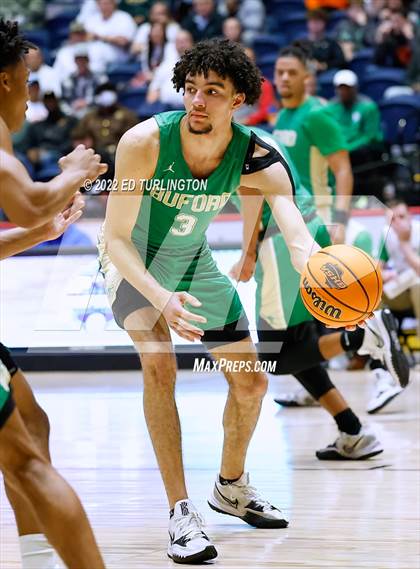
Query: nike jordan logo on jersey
pixel 170 168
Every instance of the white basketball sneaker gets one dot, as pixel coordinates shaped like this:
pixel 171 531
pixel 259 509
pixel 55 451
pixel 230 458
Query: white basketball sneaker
pixel 187 541
pixel 352 447
pixel 241 500
pixel 386 389
pixel 381 342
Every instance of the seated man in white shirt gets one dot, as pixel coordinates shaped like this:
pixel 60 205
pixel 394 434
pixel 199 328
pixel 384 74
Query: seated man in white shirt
pixel 400 254
pixel 112 32
pixel 47 77
pixel 161 88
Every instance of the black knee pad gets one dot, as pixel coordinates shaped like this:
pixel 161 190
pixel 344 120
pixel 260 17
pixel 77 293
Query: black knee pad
pixel 315 380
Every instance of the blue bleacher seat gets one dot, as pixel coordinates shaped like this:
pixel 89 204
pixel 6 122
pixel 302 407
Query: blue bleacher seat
pixel 401 119
pixel 361 60
pixel 268 44
pixel 325 83
pixel 133 97
pixel 378 79
pixel 41 38
pixel 266 65
pixel 59 27
pixel 291 24
pixel 120 73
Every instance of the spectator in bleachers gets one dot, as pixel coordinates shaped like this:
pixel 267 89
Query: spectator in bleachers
pixel 359 119
pixel 138 9
pixel 161 88
pixel 400 255
pixel 232 29
pixel 47 76
pixel 79 88
pixel 36 110
pixel 49 139
pixel 351 32
pixel 159 13
pixel 393 39
pixel 153 55
pixel 251 14
pixel 107 122
pixel 64 63
pixel 29 14
pixel 157 49
pixel 203 22
pixel 112 31
pixel 326 52
pixel 259 113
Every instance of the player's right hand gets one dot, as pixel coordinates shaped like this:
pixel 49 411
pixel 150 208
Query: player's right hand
pixel 179 319
pixel 83 161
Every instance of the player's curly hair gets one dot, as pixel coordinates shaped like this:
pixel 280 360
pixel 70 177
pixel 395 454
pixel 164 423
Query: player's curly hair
pixel 227 59
pixel 13 46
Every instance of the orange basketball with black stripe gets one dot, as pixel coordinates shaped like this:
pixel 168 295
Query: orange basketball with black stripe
pixel 341 285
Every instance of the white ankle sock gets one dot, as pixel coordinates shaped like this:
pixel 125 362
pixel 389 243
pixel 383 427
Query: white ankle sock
pixel 37 553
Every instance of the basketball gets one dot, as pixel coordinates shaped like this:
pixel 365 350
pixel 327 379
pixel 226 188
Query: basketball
pixel 341 285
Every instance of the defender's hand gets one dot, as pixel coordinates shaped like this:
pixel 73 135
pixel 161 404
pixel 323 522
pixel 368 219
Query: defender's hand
pixel 83 161
pixel 58 225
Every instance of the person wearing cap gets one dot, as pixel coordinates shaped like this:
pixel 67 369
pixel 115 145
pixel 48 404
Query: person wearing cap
pixel 358 117
pixel 36 110
pixel 64 63
pixel 79 88
pixel 106 122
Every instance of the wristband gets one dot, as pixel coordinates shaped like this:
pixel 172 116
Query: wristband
pixel 340 216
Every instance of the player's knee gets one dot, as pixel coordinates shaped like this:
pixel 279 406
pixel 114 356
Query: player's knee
pixel 159 370
pixel 254 388
pixel 27 471
pixel 37 423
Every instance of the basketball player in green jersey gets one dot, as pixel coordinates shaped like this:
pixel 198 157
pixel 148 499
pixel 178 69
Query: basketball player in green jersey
pixel 46 509
pixel 287 331
pixel 160 275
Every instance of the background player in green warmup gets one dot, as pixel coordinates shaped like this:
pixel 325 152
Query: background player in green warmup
pixel 287 332
pixel 313 140
pixel 158 267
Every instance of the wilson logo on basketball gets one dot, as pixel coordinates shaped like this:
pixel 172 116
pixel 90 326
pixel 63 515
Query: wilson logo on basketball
pixel 333 275
pixel 320 303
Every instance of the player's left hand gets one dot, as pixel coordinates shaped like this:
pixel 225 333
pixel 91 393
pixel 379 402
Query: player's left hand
pixel 58 225
pixel 244 269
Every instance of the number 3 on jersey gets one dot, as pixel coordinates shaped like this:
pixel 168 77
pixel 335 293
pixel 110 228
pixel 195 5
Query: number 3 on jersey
pixel 186 224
